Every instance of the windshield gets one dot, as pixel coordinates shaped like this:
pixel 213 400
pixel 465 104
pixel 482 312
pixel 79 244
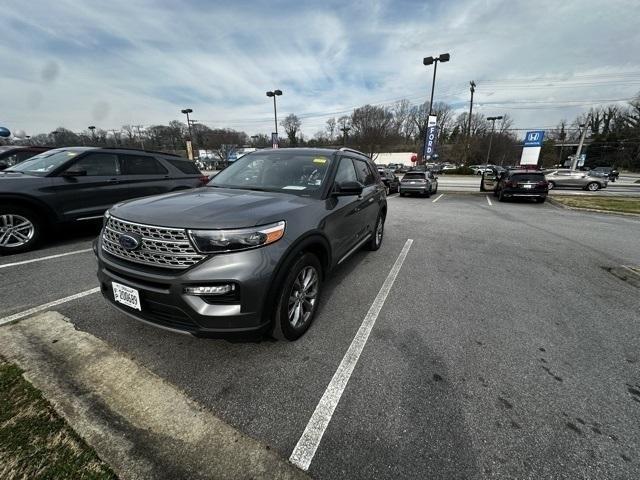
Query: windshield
pixel 44 163
pixel 288 172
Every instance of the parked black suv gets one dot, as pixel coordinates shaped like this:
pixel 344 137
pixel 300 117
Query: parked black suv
pixel 79 183
pixel 11 155
pixel 390 180
pixel 522 184
pixel 248 252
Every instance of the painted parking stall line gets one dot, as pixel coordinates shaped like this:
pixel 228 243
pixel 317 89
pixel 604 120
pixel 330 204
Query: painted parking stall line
pixel 308 443
pixel 489 200
pixel 26 313
pixel 439 197
pixel 42 259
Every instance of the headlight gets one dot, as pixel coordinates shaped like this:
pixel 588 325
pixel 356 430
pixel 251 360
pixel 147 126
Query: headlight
pixel 105 218
pixel 218 241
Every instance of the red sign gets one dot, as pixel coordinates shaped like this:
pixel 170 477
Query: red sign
pixel 414 157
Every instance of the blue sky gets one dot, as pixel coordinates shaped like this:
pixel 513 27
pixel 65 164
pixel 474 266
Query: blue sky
pixel 78 63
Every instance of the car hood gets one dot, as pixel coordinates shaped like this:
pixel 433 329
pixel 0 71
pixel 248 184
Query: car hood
pixel 211 208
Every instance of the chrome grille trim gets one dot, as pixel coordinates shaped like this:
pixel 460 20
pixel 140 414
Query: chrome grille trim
pixel 163 247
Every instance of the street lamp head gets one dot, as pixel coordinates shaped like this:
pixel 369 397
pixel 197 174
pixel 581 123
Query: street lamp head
pixel 270 94
pixel 427 60
pixel 92 127
pixel 187 110
pixel 444 57
pixel 278 92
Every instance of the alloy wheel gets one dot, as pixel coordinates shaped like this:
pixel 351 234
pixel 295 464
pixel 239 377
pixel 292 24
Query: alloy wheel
pixel 303 296
pixel 15 230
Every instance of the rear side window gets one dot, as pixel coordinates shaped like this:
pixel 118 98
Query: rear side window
pixel 528 177
pixel 413 176
pixel 140 165
pixel 185 166
pixel 98 164
pixel 365 174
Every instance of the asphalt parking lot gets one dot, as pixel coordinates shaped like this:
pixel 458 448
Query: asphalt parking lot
pixel 504 349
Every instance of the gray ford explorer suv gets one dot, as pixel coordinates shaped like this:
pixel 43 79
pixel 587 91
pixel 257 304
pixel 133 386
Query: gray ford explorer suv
pixel 248 252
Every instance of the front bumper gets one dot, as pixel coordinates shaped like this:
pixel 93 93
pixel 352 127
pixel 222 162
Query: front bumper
pixel 164 303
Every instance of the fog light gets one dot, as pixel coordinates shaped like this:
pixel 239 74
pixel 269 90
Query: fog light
pixel 211 290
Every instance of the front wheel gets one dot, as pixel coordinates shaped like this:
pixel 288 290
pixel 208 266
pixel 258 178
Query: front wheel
pixel 593 186
pixel 20 229
pixel 298 298
pixel 378 233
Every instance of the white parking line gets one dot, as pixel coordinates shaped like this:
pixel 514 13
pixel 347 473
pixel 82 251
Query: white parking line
pixel 306 447
pixel 40 259
pixel 26 313
pixel 441 195
pixel 393 195
pixel 489 200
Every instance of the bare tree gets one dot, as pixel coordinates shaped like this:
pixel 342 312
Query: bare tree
pixel 291 125
pixel 371 127
pixel 331 129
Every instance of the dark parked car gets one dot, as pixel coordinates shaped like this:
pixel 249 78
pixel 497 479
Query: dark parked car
pixel 77 184
pixel 610 172
pixel 11 155
pixel 522 184
pixel 390 180
pixel 246 253
pixel 422 183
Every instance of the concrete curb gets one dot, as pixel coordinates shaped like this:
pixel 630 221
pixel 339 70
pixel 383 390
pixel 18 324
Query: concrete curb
pixel 595 210
pixel 142 426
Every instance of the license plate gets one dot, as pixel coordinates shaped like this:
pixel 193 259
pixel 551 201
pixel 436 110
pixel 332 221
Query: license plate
pixel 527 186
pixel 126 295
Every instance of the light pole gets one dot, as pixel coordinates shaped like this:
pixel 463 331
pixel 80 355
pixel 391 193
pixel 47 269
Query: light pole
pixel 93 132
pixel 274 94
pixel 187 111
pixel 443 57
pixel 493 126
pixel 345 132
pixel 55 137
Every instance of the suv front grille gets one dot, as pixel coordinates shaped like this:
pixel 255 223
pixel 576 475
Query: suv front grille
pixel 160 247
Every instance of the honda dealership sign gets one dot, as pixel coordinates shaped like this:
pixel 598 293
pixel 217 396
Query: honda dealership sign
pixel 531 147
pixel 432 137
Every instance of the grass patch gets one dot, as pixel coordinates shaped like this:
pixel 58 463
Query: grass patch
pixel 34 441
pixel 610 204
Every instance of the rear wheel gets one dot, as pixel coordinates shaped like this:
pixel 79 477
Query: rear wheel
pixel 541 199
pixel 593 186
pixel 501 197
pixel 298 298
pixel 20 229
pixel 378 233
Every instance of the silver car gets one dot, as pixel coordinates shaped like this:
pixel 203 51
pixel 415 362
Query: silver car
pixel 565 178
pixel 422 183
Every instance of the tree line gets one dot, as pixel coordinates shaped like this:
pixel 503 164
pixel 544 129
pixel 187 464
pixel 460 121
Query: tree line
pixel 613 135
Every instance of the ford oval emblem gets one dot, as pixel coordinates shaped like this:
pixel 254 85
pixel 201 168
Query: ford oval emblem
pixel 130 241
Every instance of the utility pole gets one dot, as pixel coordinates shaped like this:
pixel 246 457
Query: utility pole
pixel 574 162
pixel 472 88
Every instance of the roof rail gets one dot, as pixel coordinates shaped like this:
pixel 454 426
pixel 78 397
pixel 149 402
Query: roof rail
pixel 142 150
pixel 352 150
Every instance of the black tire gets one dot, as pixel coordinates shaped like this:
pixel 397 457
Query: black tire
pixel 12 215
pixel 501 197
pixel 283 328
pixel 436 190
pixel 376 240
pixel 592 186
pixel 541 199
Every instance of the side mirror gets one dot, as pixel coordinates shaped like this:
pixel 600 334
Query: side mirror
pixel 345 189
pixel 73 173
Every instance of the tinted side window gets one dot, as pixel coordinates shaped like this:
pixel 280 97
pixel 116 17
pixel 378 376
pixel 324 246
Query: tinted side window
pixel 185 166
pixel 365 175
pixel 101 164
pixel 140 165
pixel 346 172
